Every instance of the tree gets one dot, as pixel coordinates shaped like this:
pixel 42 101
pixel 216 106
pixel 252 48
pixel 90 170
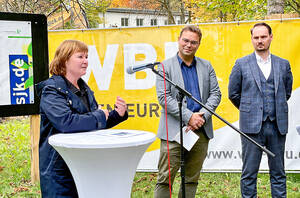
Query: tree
pixel 168 7
pixel 93 8
pixel 26 6
pixel 172 6
pixel 226 10
pixel 238 10
pixel 65 10
pixel 275 7
pixel 294 5
pixel 69 13
pixel 124 4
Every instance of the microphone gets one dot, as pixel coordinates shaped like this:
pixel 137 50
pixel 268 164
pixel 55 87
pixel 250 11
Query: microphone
pixel 133 69
pixel 298 129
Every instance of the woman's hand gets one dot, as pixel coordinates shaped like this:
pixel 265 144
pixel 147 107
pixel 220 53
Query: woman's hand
pixel 120 106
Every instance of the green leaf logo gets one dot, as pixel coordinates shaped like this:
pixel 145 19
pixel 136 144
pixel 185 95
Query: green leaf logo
pixel 28 82
pixel 20 63
pixel 29 49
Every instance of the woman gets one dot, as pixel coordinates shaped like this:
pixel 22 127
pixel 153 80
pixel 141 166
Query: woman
pixel 67 106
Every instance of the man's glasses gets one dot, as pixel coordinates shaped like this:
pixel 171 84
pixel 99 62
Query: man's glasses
pixel 186 41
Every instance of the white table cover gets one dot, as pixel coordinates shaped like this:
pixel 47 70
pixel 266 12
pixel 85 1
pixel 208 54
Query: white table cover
pixel 103 163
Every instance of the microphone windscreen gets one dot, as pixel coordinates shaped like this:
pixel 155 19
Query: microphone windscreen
pixel 129 70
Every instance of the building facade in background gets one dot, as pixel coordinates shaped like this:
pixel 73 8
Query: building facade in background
pixel 127 17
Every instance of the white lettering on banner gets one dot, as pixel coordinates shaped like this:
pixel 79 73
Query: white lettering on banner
pixel 130 50
pixel 103 73
pixel 171 48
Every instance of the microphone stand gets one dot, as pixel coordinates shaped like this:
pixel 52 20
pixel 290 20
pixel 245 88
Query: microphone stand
pixel 186 93
pixel 179 98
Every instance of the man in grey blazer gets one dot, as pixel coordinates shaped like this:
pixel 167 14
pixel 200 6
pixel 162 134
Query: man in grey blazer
pixel 259 86
pixel 198 77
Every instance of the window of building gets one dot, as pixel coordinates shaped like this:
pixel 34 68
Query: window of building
pixel 166 22
pixel 153 21
pixel 139 22
pixel 124 21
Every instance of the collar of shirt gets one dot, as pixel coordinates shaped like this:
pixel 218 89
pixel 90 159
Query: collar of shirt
pixel 262 61
pixel 190 79
pixel 81 92
pixel 181 63
pixel 265 66
pixel 73 89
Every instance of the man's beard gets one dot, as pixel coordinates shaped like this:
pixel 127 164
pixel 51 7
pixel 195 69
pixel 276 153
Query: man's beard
pixel 263 49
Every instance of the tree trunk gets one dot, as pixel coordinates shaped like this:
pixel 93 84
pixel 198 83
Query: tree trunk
pixel 167 6
pixel 182 11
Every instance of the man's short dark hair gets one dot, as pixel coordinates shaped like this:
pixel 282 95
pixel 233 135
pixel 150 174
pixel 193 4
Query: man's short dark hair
pixel 262 24
pixel 192 28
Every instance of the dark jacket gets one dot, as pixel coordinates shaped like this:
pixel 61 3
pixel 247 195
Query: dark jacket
pixel 63 112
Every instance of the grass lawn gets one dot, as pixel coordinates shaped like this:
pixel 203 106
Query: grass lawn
pixel 15 172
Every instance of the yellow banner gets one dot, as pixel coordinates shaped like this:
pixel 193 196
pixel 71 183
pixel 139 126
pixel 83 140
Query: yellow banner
pixel 111 51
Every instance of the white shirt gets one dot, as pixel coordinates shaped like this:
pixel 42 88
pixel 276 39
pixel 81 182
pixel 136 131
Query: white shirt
pixel 265 66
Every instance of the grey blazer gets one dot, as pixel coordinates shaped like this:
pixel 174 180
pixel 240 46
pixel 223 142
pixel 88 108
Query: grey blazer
pixel 209 90
pixel 245 92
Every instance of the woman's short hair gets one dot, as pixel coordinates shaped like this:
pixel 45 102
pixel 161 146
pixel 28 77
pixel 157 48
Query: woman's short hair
pixel 64 51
